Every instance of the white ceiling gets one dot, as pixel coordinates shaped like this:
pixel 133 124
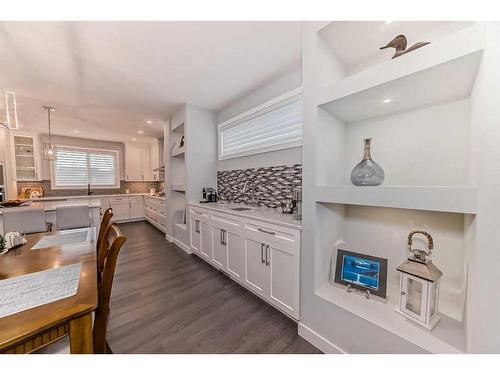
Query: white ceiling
pixel 106 79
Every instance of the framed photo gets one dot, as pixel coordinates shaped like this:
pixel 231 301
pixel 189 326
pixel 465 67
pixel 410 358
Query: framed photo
pixel 362 272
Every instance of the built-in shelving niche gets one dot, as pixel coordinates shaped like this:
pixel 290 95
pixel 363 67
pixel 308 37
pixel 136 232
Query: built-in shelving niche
pixel 383 232
pixel 417 110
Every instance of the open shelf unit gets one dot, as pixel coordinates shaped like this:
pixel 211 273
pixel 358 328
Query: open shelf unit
pixel 424 113
pixel 191 167
pixel 178 152
pixel 458 199
pixel 448 337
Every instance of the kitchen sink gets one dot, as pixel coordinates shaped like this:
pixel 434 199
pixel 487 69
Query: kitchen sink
pixel 241 209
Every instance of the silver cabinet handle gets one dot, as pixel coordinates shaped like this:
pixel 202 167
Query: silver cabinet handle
pixel 267 255
pixel 224 242
pixel 262 253
pixel 221 237
pixel 267 232
pixel 196 226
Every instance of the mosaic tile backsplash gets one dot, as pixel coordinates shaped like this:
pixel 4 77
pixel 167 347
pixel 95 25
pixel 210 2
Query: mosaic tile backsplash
pixel 271 184
pixel 133 186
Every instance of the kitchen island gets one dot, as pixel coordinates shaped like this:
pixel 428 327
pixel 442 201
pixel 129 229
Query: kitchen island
pixel 50 206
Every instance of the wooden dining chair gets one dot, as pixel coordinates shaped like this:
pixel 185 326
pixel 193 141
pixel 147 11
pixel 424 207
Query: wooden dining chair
pixel 106 218
pixel 113 241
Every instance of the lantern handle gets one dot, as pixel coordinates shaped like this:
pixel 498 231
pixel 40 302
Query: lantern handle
pixel 420 254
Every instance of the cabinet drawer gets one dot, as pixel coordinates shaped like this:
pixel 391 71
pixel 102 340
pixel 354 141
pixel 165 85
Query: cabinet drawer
pixel 199 212
pixel 276 233
pixel 226 221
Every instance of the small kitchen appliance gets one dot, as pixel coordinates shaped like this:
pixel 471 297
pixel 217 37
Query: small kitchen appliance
pixel 209 195
pixel 297 198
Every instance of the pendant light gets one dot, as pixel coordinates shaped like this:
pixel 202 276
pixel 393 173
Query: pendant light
pixel 8 109
pixel 49 151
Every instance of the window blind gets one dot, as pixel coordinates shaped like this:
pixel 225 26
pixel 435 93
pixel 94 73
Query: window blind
pixel 271 129
pixel 75 168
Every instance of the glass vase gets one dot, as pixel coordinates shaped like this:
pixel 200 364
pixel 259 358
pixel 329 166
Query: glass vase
pixel 367 172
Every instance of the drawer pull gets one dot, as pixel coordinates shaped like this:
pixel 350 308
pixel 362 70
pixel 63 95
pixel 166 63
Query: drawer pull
pixel 267 255
pixel 267 232
pixel 262 253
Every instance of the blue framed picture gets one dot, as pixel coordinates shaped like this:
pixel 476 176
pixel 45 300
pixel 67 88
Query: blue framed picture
pixel 361 271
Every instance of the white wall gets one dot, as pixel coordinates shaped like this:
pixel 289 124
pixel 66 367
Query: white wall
pixel 288 81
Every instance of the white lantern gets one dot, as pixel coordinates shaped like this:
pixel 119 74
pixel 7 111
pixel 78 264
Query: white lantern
pixel 419 285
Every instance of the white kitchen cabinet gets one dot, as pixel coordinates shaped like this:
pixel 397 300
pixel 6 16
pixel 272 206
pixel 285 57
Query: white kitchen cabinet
pixel 206 239
pixel 228 247
pixel 136 207
pixel 256 273
pixel 146 169
pixel 26 153
pixel 195 234
pixel 138 163
pixel 283 267
pixel 121 209
pixel 219 246
pixel 132 163
pixel 261 256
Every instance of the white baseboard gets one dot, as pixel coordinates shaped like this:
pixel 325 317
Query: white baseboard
pixel 169 238
pixel 182 246
pixel 318 341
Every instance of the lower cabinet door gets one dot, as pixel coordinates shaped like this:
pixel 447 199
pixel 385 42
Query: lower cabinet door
pixel 235 254
pixel 136 208
pixel 206 240
pixel 219 247
pixel 195 235
pixel 256 269
pixel 283 265
pixel 121 209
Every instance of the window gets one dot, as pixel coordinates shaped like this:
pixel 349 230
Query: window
pixel 74 168
pixel 274 125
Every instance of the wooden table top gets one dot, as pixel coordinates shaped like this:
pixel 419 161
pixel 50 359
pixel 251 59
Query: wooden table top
pixel 21 261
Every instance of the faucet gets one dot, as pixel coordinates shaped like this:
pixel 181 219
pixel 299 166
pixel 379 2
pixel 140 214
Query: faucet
pixel 88 190
pixel 252 194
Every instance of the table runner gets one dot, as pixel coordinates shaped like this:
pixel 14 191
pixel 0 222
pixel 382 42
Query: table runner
pixel 39 288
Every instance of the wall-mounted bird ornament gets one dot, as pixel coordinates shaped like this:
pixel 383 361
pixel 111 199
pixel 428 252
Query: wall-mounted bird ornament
pixel 400 42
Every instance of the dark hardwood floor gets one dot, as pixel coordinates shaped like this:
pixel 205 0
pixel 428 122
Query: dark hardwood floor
pixel 166 301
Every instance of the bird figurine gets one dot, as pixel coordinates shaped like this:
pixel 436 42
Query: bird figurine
pixel 400 42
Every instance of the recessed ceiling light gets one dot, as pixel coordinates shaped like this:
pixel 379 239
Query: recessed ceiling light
pixel 387 22
pixel 387 101
pixel 140 132
pixel 76 131
pixel 134 139
pixel 149 122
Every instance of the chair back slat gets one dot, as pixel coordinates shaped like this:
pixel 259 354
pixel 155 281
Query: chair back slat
pixel 113 241
pixel 106 218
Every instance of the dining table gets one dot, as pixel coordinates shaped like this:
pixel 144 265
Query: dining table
pixel 28 330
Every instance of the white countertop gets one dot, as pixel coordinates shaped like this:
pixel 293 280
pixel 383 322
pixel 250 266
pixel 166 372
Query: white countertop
pixel 99 196
pixel 270 215
pixel 47 205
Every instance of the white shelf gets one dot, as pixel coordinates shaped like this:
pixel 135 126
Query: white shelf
pixel 457 199
pixel 179 128
pixel 181 226
pixel 178 152
pixel 448 337
pixel 179 188
pixel 442 71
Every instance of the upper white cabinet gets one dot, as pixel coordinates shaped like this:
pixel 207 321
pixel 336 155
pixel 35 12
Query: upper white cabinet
pixel 26 153
pixel 263 257
pixel 138 163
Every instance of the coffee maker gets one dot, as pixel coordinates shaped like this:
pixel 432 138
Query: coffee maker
pixel 209 195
